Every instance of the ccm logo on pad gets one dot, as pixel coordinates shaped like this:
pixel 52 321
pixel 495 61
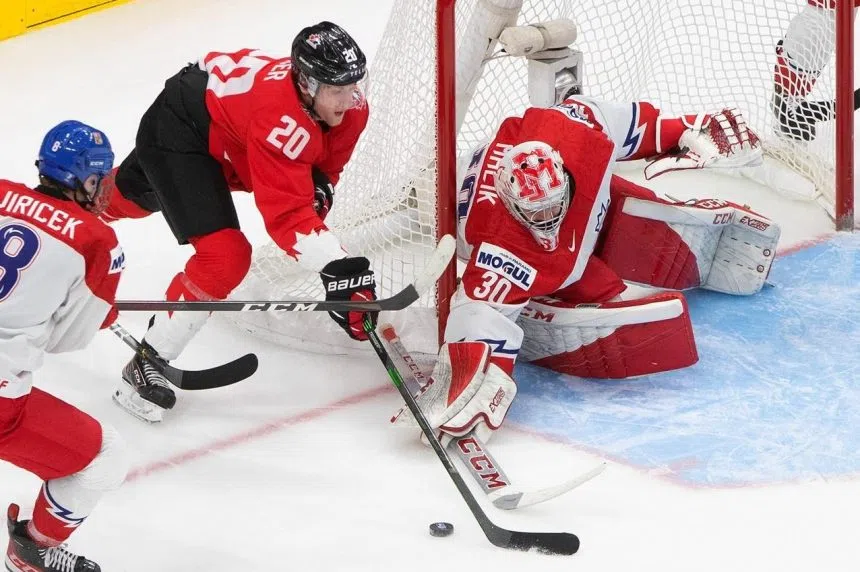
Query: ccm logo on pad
pixel 500 261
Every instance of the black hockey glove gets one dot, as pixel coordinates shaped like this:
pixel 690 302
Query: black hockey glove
pixel 350 279
pixel 323 193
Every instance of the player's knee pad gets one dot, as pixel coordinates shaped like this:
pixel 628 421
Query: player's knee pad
pixel 220 262
pixel 610 340
pixel 711 244
pixel 109 468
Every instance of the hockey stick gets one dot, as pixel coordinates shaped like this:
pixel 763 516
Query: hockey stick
pixel 548 542
pixel 475 455
pixel 441 256
pixel 800 124
pixel 193 380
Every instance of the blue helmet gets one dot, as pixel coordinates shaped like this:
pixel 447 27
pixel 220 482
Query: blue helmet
pixel 72 151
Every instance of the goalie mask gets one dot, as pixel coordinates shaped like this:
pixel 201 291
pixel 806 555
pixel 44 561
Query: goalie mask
pixel 534 187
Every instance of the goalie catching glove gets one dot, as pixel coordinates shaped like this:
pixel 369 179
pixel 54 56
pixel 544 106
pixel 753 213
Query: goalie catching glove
pixel 465 392
pixel 350 279
pixel 721 141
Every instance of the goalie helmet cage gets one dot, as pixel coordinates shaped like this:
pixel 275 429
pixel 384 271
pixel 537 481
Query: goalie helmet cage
pixel 439 88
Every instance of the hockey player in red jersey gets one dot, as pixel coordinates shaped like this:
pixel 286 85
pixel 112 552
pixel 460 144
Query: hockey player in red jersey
pixel 801 56
pixel 60 268
pixel 571 267
pixel 281 128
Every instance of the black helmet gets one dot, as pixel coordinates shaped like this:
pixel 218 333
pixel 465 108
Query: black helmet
pixel 328 54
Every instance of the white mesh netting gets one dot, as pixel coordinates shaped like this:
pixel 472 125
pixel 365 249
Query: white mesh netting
pixel 682 55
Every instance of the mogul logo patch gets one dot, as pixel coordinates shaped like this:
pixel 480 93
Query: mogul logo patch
pixel 117 260
pixel 495 259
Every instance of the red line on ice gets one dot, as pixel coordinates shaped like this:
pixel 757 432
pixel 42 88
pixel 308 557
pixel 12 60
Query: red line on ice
pixel 251 434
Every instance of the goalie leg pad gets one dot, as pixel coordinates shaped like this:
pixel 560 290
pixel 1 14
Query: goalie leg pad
pixel 744 254
pixel 465 392
pixel 707 243
pixel 611 340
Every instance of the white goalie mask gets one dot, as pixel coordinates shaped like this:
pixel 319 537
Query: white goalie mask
pixel 535 189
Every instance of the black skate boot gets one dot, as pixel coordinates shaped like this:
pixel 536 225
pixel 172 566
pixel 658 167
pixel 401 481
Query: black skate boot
pixel 144 393
pixel 24 555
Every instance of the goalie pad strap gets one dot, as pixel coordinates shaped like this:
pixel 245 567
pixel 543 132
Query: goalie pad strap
pixel 611 340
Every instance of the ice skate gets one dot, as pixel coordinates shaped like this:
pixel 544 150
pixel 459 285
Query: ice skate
pixel 144 392
pixel 25 555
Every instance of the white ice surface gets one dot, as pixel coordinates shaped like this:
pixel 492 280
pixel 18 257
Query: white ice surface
pixel 296 469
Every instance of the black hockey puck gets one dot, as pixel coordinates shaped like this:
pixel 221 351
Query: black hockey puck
pixel 441 529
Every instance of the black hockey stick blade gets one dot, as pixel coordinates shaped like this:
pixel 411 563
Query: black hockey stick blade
pixel 219 376
pixel 193 380
pixel 800 124
pixel 547 542
pixel 434 268
pixel 563 543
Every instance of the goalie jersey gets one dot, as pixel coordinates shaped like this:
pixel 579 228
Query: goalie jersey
pixel 505 266
pixel 60 270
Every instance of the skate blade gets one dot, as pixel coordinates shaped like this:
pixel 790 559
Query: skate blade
pixel 129 400
pixel 13 564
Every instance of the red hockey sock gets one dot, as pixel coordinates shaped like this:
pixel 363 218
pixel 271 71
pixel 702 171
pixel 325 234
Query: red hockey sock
pixel 52 523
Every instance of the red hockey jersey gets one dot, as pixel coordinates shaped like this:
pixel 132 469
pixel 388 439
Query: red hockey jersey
pixel 59 270
pixel 505 266
pixel 267 142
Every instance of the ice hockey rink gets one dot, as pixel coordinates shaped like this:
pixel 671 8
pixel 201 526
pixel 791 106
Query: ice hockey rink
pixel 748 461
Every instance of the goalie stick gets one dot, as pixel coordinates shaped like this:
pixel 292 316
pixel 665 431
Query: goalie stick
pixel 547 542
pixel 475 455
pixel 440 258
pixel 193 380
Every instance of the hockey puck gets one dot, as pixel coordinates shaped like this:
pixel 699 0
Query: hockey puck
pixel 441 529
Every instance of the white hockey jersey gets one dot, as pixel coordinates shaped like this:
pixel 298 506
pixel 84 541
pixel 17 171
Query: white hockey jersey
pixel 59 270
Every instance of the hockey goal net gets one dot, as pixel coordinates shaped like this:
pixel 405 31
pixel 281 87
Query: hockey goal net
pixel 398 193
